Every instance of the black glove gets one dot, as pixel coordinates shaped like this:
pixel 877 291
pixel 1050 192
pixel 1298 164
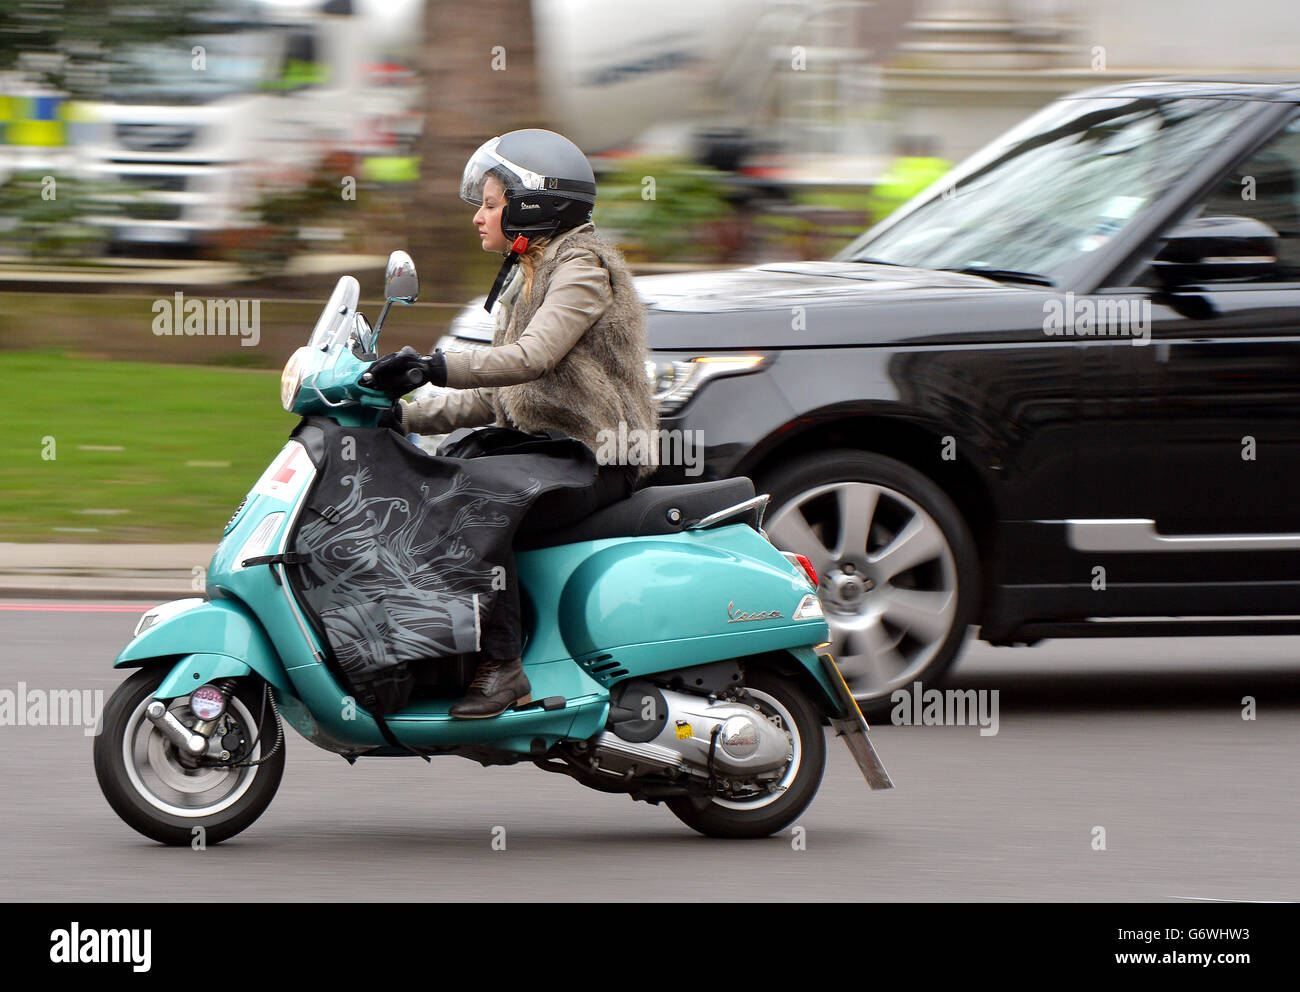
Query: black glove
pixel 392 419
pixel 397 374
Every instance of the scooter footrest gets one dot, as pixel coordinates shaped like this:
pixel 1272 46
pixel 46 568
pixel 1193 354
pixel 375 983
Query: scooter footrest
pixel 549 703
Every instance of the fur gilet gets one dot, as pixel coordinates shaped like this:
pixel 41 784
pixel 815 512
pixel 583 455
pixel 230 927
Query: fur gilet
pixel 601 383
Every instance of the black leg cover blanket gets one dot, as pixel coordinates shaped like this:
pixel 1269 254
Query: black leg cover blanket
pixel 404 557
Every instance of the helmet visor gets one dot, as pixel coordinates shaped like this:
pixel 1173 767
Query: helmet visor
pixel 484 162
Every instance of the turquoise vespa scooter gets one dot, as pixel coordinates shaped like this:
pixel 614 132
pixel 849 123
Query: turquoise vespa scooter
pixel 673 651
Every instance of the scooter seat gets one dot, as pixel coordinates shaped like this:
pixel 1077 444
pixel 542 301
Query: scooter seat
pixel 653 510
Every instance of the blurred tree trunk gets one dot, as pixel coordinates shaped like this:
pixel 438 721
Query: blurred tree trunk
pixel 466 101
pixel 66 42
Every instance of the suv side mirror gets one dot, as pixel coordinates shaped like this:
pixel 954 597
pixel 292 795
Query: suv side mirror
pixel 401 285
pixel 1207 248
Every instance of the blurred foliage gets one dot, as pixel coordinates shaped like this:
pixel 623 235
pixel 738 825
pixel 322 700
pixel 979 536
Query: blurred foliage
pixel 283 210
pixel 67 42
pixel 44 217
pixel 906 176
pixel 665 209
pixel 814 224
pixel 700 214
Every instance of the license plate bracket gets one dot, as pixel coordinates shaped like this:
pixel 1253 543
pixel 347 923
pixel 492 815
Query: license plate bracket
pixel 853 728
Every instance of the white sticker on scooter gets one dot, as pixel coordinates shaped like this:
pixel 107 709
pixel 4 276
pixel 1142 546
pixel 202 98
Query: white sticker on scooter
pixel 285 476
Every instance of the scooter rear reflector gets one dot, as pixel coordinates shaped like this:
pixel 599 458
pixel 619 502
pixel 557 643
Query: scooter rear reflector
pixel 802 561
pixel 808 567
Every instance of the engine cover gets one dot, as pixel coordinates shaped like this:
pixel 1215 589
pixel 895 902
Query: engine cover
pixel 748 745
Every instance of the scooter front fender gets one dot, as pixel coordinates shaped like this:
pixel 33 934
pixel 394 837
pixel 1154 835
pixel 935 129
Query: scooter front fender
pixel 206 639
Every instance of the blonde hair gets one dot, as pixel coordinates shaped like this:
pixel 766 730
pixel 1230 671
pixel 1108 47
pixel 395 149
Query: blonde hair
pixel 529 261
pixel 531 258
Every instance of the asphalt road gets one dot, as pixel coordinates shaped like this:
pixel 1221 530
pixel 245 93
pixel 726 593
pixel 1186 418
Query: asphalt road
pixel 1144 738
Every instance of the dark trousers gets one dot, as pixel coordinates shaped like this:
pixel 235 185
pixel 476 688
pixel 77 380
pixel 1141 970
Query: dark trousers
pixel 502 638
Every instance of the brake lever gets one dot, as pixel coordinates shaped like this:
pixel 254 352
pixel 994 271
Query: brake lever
pixel 324 399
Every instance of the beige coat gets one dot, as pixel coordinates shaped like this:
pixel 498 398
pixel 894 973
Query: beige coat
pixel 570 358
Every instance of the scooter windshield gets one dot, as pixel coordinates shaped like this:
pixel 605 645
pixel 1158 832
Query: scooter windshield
pixel 337 319
pixel 329 338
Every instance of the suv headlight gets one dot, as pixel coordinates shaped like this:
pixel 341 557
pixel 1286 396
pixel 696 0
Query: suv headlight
pixel 674 379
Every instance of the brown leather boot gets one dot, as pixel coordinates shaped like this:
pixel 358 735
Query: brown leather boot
pixel 497 686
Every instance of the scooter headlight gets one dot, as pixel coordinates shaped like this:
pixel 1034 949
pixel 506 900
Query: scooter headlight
pixel 291 378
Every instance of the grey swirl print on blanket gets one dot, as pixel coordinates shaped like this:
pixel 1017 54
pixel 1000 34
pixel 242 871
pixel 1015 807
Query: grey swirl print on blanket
pixel 397 582
pixel 402 558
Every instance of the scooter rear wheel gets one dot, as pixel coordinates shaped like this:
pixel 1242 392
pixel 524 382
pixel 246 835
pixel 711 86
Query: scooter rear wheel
pixel 148 787
pixel 780 698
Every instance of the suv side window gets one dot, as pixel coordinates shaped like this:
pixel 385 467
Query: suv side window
pixel 1266 187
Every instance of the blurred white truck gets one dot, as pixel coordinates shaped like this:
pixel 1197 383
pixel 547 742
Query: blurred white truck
pixel 201 126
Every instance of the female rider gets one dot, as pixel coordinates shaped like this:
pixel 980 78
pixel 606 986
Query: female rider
pixel 568 353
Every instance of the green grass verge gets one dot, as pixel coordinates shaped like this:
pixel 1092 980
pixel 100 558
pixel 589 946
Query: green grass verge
pixel 140 451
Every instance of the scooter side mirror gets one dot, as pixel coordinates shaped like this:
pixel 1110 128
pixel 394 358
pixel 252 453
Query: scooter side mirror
pixel 401 285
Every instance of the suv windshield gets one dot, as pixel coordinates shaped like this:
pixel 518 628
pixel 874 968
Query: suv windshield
pixel 1056 186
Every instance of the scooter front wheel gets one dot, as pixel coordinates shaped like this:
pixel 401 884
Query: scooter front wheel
pixel 781 701
pixel 148 786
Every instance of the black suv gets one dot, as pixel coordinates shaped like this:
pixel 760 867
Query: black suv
pixel 1056 394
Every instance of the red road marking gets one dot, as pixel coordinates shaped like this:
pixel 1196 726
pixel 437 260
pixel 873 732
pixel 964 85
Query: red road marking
pixel 72 608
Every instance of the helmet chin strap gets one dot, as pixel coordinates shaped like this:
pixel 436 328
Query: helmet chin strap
pixel 517 248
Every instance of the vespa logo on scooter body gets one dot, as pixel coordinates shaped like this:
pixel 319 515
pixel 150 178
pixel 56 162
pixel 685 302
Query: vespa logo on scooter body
pixel 743 617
